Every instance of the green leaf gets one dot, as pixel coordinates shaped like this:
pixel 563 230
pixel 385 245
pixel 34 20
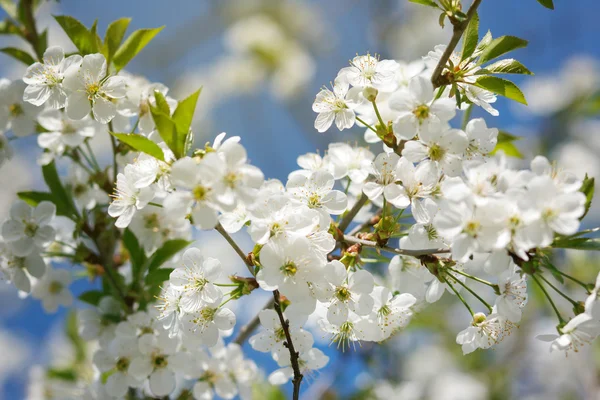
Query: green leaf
pixel 141 143
pixel 91 297
pixel 136 252
pixel 10 7
pixel 61 198
pixel 183 116
pixel 158 276
pixel 19 54
pixel 484 43
pixel 81 37
pixel 587 188
pixel 429 3
pixel 161 103
pixel 500 46
pixel 505 144
pixel 95 37
pixel 167 129
pixel 547 3
pixel 35 198
pixel 62 374
pixel 577 244
pixel 471 37
pixel 114 36
pixel 7 27
pixel 501 87
pixel 166 252
pixel 507 66
pixel 133 45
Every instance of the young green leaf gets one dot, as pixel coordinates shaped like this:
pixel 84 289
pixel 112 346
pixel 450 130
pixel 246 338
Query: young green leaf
pixel 500 46
pixel 136 252
pixel 80 36
pixel 501 87
pixel 167 129
pixel 61 198
pixel 18 54
pixel 184 114
pixel 470 38
pixel 506 145
pixel 507 66
pixel 429 3
pixel 484 43
pixel 35 198
pixel 587 188
pixel 114 36
pixel 161 103
pixel 141 143
pixel 158 276
pixel 577 244
pixel 166 252
pixel 133 45
pixel 91 297
pixel 547 3
pixel 95 37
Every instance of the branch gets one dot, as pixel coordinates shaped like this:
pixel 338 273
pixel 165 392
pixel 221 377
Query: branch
pixel 362 200
pixel 219 228
pixel 251 326
pixel 31 33
pixel 403 252
pixel 294 355
pixel 459 29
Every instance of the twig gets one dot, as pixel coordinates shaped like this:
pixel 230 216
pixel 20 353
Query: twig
pixel 219 228
pixel 345 222
pixel 113 143
pixel 31 33
pixel 251 326
pixel 404 252
pixel 459 29
pixel 294 355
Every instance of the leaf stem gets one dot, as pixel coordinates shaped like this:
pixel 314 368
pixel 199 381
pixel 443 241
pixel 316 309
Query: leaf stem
pixel 560 318
pixel 365 124
pixel 485 303
pixel 557 290
pixel 404 252
pixel 219 228
pixel 460 297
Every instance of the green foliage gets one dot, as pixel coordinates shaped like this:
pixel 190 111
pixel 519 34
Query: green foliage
pixel 10 7
pixel 60 197
pixel 547 3
pixel 267 392
pixel 175 130
pixel 91 297
pixel 161 103
pixel 157 277
pixel 499 46
pixel 18 54
pixel 506 144
pixel 577 243
pixel 141 143
pixel 136 252
pixel 507 66
pixel 471 37
pixel 114 37
pixel 35 198
pixel 501 87
pixel 85 40
pixel 166 252
pixel 587 188
pixel 429 3
pixel 133 45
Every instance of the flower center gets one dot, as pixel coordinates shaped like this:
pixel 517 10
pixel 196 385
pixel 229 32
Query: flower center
pixel 208 314
pixel 79 189
pixel 122 364
pixel 472 228
pixel 289 269
pixel 30 229
pixel 160 361
pixel 15 110
pixel 314 201
pixel 421 112
pixel 280 334
pixel 231 179
pixel 343 294
pixel 55 287
pixel 200 193
pixel 436 152
pixel 92 90
pixel 151 222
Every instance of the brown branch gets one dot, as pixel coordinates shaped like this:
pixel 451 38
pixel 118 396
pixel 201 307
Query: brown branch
pixel 459 28
pixel 219 228
pixel 294 355
pixel 347 219
pixel 30 32
pixel 403 252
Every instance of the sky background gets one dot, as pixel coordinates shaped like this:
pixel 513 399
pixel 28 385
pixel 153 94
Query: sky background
pixel 275 132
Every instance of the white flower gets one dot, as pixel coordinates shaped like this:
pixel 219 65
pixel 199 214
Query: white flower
pixel 17 269
pixel 117 360
pixel 273 336
pixel 128 198
pixel 564 181
pixel 419 112
pixel 86 192
pixel 481 97
pixel 45 80
pixel 91 90
pixel 311 360
pixel 16 114
pixel 29 229
pixel 288 265
pixel 153 226
pixel 204 326
pixel 168 304
pixel 419 183
pixel 62 131
pixel 409 276
pixel 444 147
pixel 204 183
pixel 196 280
pixel 158 361
pixel 591 307
pixel 513 294
pixel 214 376
pixel 386 169
pixel 353 162
pixel 579 331
pixel 95 323
pixel 333 105
pixel 345 291
pixel 393 312
pixel 316 192
pixel 53 289
pixel 484 332
pixel 138 324
pixel 482 140
pixel 353 330
pixel 370 71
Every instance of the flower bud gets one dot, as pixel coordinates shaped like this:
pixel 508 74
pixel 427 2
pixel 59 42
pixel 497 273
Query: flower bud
pixel 370 93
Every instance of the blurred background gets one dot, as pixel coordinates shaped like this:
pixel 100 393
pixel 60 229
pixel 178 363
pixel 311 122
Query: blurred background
pixel 260 63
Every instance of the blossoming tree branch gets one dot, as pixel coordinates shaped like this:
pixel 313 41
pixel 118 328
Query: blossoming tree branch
pixel 358 239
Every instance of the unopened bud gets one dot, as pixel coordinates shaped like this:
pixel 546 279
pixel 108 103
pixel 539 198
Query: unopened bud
pixel 370 93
